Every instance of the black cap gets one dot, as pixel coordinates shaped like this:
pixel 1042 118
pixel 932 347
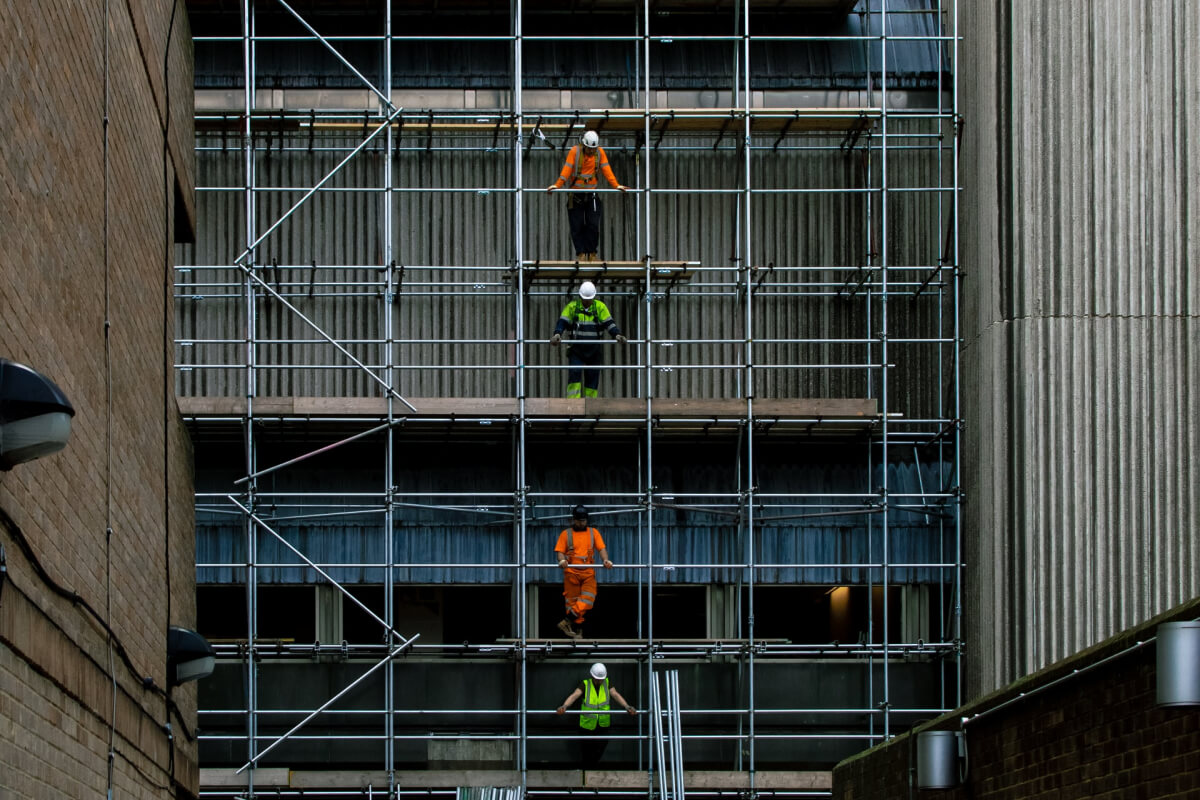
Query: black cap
pixel 579 513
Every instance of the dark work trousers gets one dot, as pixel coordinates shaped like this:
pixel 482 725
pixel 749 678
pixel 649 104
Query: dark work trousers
pixel 580 356
pixel 592 747
pixel 583 212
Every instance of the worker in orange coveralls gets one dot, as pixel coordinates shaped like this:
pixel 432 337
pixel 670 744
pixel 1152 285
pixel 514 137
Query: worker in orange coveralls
pixel 585 163
pixel 578 545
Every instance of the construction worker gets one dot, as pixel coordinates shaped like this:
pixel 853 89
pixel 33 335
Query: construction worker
pixel 594 720
pixel 584 320
pixel 579 174
pixel 577 545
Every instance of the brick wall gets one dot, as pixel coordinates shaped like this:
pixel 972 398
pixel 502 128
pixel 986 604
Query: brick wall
pixel 1095 733
pixel 128 464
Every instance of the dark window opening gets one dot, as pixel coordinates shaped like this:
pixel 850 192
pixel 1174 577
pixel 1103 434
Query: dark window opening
pixel 440 614
pixel 680 612
pixel 357 625
pixel 477 613
pixel 284 612
pixel 287 612
pixel 822 614
pixel 221 612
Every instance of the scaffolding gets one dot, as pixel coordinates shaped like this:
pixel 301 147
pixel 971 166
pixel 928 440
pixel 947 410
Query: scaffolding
pixel 288 369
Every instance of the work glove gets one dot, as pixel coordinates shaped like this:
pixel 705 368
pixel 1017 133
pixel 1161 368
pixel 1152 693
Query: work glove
pixel 621 338
pixel 555 339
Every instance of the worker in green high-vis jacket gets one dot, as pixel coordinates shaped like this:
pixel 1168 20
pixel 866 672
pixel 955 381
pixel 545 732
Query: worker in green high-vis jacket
pixel 584 321
pixel 594 721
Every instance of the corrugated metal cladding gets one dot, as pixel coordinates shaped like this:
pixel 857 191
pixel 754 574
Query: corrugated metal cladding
pixel 454 209
pixel 605 64
pixel 1082 361
pixel 786 531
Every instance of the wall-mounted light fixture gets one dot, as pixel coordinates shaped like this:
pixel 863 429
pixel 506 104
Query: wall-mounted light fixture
pixel 35 415
pixel 189 656
pixel 1178 662
pixel 937 759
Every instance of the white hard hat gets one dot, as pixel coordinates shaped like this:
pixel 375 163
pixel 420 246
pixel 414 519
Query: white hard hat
pixel 591 139
pixel 598 671
pixel 587 290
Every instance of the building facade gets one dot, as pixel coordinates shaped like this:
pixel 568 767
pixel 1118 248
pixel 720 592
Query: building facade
pixel 1080 325
pixel 96 187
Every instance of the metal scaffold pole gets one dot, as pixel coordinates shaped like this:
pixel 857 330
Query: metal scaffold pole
pixel 389 454
pixel 250 327
pixel 956 365
pixel 520 511
pixel 750 388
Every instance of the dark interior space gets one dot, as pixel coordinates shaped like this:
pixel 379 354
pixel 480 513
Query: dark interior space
pixel 823 614
pixel 680 612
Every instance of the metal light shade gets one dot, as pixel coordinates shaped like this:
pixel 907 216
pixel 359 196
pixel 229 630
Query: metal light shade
pixel 1178 681
pixel 189 656
pixel 195 669
pixel 34 437
pixel 937 760
pixel 35 415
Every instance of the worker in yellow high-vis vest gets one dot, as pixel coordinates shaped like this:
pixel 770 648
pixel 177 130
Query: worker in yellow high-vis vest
pixel 584 322
pixel 594 721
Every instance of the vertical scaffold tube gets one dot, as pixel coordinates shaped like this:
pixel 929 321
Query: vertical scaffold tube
pixel 885 521
pixel 520 529
pixel 389 605
pixel 250 388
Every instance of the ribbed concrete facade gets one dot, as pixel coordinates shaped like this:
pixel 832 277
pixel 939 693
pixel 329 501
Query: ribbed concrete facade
pixel 1081 324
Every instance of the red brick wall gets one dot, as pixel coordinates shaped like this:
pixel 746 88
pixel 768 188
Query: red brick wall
pixel 1095 733
pixel 128 464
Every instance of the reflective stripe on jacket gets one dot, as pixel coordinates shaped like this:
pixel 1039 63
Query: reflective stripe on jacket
pixel 586 323
pixel 579 171
pixel 594 699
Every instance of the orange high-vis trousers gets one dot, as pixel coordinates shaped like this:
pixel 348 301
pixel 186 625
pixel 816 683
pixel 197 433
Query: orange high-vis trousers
pixel 579 591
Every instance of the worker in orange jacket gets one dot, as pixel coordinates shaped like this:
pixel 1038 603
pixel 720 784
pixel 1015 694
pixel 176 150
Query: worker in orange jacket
pixel 585 161
pixel 578 545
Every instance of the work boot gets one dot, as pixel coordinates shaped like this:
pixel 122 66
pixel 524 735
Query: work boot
pixel 593 256
pixel 566 627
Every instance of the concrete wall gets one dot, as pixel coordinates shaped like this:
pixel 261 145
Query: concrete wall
pixel 128 464
pixel 1085 727
pixel 1080 323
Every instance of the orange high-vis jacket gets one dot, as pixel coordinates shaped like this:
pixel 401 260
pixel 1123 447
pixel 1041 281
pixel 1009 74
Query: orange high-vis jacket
pixel 579 171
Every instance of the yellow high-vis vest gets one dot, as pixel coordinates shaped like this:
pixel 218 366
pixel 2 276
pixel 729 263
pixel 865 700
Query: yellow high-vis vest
pixel 594 699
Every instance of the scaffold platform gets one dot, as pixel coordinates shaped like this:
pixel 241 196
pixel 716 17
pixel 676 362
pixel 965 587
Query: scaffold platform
pixel 285 778
pixel 632 120
pixel 671 272
pixel 812 416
